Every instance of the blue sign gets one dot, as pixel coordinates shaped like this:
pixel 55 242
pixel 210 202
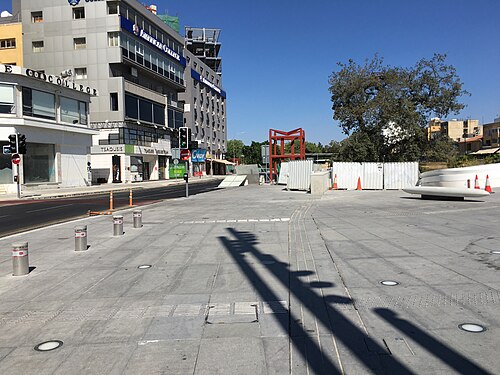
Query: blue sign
pixel 141 33
pixel 73 2
pixel 199 78
pixel 199 155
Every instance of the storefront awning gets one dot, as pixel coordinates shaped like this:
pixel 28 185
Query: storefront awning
pixel 486 151
pixel 222 161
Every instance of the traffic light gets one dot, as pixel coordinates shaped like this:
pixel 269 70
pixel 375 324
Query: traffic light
pixel 184 138
pixel 21 144
pixel 13 143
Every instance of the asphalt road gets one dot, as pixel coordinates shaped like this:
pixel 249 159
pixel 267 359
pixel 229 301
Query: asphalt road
pixel 18 216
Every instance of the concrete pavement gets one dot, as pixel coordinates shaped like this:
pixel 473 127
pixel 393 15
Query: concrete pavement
pixel 258 280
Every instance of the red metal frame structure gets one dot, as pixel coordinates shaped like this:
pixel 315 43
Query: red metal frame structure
pixel 281 136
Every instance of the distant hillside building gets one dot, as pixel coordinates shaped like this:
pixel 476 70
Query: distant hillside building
pixel 457 130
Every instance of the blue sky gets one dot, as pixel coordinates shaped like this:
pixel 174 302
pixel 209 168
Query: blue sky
pixel 278 55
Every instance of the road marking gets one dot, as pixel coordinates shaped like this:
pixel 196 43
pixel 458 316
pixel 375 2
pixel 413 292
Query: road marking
pixel 49 208
pixel 4 216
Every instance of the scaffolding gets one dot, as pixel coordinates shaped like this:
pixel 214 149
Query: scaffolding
pixel 204 44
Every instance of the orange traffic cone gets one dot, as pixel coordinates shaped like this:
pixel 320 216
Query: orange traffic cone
pixel 335 185
pixel 359 184
pixel 476 183
pixel 487 187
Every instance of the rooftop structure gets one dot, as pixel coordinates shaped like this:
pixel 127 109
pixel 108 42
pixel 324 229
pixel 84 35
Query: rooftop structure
pixel 204 44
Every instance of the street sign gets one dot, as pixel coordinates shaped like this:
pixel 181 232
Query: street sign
pixel 6 150
pixel 176 161
pixel 16 159
pixel 185 154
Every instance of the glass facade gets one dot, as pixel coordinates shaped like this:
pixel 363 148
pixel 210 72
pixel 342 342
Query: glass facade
pixel 148 58
pixel 144 110
pixel 39 163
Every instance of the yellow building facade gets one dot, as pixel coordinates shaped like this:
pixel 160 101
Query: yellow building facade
pixel 11 44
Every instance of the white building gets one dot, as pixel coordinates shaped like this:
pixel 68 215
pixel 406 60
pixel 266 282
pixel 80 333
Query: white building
pixel 53 114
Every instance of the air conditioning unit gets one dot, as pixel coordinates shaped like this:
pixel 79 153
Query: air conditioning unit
pixel 133 71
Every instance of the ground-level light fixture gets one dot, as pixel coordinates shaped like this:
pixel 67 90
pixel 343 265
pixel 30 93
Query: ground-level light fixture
pixel 472 327
pixel 48 346
pixel 389 282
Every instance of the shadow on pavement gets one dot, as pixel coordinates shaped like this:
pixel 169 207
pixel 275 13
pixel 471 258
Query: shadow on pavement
pixel 436 348
pixel 374 356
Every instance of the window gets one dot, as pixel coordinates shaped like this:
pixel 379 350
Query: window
pixel 37 46
pixel 80 73
pixel 80 43
pixel 38 104
pixel 113 40
pixel 113 101
pixel 73 111
pixel 37 16
pixel 112 7
pixel 78 13
pixel 6 98
pixel 7 43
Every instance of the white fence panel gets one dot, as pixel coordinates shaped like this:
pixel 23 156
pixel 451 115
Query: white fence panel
pixel 373 176
pixel 300 174
pixel 400 175
pixel 347 174
pixel 284 170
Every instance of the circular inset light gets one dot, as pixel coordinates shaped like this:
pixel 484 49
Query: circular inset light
pixel 47 346
pixel 471 327
pixel 389 283
pixel 144 266
pixel 495 251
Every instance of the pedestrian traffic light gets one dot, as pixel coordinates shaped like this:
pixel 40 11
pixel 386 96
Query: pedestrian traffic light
pixel 21 144
pixel 184 138
pixel 13 143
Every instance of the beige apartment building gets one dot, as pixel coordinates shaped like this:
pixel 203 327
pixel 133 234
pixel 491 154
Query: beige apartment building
pixel 11 43
pixel 491 133
pixel 457 130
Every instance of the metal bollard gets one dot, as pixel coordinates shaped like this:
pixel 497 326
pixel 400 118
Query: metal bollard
pixel 20 262
pixel 117 225
pixel 81 238
pixel 137 218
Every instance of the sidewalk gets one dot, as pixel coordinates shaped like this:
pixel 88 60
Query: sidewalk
pixel 45 191
pixel 258 280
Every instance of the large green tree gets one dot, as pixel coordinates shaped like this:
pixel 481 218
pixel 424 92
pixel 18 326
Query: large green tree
pixel 234 148
pixel 389 107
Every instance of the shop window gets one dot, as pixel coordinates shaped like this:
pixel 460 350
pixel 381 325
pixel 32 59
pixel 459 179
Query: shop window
pixel 78 13
pixel 37 46
pixel 37 16
pixel 39 163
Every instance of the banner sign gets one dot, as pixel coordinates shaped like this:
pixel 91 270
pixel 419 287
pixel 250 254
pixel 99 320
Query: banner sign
pixel 141 33
pixel 199 155
pixel 199 78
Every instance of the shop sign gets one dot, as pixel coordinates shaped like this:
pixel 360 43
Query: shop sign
pixel 199 155
pixel 141 33
pixel 200 78
pixel 13 69
pixel 106 124
pixel 176 170
pixel 74 3
pixel 107 149
pixel 143 150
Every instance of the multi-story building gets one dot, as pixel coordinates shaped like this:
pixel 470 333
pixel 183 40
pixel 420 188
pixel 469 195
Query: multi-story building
pixel 134 59
pixel 11 40
pixel 53 114
pixel 457 130
pixel 491 133
pixel 205 110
